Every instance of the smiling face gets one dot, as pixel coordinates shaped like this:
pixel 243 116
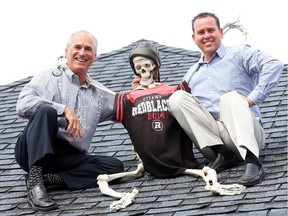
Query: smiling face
pixel 207 36
pixel 80 54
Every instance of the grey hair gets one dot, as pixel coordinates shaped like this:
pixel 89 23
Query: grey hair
pixel 95 42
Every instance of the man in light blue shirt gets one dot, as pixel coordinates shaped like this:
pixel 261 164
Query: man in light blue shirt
pixel 222 115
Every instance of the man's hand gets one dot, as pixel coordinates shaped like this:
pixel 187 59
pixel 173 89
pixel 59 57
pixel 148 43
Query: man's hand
pixel 73 127
pixel 251 103
pixel 136 82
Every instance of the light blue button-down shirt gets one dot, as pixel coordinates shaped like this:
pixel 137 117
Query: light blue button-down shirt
pixel 239 68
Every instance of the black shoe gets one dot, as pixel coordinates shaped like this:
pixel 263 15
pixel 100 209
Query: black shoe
pixel 38 197
pixel 253 175
pixel 219 163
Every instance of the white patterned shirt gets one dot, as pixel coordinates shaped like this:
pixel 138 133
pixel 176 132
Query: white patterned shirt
pixel 59 87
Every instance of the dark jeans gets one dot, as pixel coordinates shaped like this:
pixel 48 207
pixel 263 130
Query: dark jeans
pixel 38 142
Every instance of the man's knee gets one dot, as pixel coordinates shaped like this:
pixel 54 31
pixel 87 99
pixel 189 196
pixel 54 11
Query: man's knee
pixel 230 97
pixel 118 166
pixel 43 121
pixel 175 99
pixel 47 110
pixel 45 113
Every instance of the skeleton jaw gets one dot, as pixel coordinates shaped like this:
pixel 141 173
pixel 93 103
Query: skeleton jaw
pixel 146 81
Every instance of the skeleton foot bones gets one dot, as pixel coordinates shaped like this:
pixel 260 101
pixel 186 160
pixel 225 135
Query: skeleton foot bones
pixel 209 176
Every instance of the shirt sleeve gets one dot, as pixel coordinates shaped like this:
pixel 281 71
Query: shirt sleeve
pixel 266 71
pixel 41 90
pixel 107 110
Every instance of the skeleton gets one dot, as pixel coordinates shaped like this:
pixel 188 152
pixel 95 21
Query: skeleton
pixel 144 67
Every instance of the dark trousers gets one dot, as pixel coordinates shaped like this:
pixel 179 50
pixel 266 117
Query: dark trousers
pixel 38 143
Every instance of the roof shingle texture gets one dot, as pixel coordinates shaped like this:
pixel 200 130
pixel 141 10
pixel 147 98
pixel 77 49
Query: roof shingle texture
pixel 183 195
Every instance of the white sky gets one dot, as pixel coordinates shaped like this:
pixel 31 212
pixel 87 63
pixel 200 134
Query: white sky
pixel 34 32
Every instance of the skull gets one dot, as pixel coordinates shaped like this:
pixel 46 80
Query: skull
pixel 144 68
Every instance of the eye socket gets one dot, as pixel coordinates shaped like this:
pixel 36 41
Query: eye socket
pixel 137 67
pixel 147 65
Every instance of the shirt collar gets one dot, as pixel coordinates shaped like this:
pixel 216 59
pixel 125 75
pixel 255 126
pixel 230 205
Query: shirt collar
pixel 218 53
pixel 75 79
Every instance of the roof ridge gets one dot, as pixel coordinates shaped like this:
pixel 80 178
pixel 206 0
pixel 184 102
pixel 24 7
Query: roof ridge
pixel 161 47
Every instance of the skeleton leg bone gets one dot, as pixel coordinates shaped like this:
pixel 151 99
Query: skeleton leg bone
pixel 210 177
pixel 126 198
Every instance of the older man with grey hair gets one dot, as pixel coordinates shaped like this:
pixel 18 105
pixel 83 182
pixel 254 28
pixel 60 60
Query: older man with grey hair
pixel 64 106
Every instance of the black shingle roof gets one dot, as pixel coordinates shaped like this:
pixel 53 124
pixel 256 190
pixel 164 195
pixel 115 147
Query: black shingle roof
pixel 183 195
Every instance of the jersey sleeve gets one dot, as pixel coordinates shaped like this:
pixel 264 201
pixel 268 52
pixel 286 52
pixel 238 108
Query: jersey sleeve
pixel 184 86
pixel 118 111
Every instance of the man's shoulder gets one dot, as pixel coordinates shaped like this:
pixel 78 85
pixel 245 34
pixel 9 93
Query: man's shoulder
pixel 50 71
pixel 238 47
